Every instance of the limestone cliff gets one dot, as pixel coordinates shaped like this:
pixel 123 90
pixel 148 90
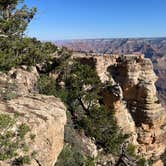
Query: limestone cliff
pixel 45 115
pixel 133 98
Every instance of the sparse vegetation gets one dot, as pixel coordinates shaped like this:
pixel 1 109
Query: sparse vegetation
pixel 32 136
pixel 8 92
pixel 12 140
pixel 131 150
pixel 70 156
pixel 23 130
pixel 81 94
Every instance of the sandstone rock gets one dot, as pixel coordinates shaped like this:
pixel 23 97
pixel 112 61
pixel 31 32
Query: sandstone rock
pixel 89 146
pixel 45 115
pixel 137 108
pixel 158 163
pixel 24 80
pixel 132 95
pixel 155 49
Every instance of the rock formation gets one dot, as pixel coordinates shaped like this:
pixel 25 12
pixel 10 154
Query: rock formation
pixel 129 90
pixel 153 48
pixel 45 115
pixel 133 98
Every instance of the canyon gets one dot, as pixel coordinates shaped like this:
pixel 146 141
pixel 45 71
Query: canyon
pixel 132 96
pixel 153 48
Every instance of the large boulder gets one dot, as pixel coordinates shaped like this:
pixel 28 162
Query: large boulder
pixel 45 115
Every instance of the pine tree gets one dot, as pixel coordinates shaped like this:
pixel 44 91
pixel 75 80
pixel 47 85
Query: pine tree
pixel 13 19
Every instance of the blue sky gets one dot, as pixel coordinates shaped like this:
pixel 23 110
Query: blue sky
pixel 77 19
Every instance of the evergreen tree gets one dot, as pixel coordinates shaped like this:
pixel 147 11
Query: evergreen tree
pixel 15 48
pixel 13 19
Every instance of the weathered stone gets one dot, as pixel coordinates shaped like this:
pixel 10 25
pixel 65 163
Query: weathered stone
pixel 137 108
pixel 89 146
pixel 24 80
pixel 45 115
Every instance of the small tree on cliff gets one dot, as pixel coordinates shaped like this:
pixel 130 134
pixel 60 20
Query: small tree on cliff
pixel 83 85
pixel 14 20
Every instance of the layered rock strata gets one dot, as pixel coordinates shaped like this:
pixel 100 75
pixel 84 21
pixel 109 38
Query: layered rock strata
pixel 133 97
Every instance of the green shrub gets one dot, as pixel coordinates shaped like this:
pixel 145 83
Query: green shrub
pixel 83 85
pixel 142 162
pixel 72 152
pixel 23 130
pixel 90 162
pixel 8 95
pixel 131 150
pixel 70 157
pixel 12 142
pixel 6 121
pixel 15 51
pixel 46 85
pixel 8 92
pixel 32 136
pixel 102 126
pixel 63 94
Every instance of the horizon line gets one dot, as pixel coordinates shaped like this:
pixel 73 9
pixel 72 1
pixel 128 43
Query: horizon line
pixel 105 38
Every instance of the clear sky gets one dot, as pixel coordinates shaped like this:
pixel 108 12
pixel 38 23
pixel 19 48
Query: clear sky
pixel 76 19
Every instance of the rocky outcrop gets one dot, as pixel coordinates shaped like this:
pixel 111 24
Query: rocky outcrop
pixel 132 95
pixel 45 115
pixel 88 145
pixel 153 48
pixel 136 78
pixel 128 90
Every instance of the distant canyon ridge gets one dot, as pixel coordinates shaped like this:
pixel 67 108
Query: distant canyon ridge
pixel 153 48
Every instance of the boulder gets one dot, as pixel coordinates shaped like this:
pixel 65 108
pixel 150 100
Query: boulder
pixel 45 115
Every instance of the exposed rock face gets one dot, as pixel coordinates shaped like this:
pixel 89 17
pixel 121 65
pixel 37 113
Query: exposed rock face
pixel 129 90
pixel 133 97
pixel 153 48
pixel 45 115
pixel 137 79
pixel 25 81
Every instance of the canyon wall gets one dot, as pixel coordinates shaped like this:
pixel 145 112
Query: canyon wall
pixel 134 99
pixel 153 48
pixel 128 90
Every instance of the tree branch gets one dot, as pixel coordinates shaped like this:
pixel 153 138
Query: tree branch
pixel 2 35
pixel 83 106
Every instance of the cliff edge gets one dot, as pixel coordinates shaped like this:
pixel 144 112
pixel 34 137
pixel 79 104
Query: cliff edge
pixel 45 115
pixel 133 98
